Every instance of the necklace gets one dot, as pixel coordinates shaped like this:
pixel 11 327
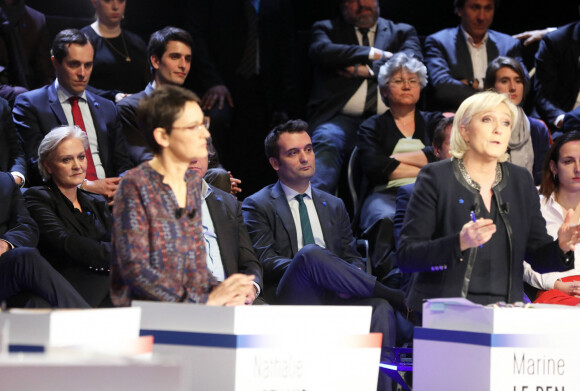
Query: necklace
pixel 474 184
pixel 126 54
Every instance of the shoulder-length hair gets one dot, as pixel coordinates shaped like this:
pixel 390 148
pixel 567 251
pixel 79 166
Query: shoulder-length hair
pixel 505 62
pixel 550 183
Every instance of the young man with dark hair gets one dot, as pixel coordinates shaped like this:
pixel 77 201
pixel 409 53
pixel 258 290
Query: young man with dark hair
pixel 67 102
pixel 303 238
pixel 170 54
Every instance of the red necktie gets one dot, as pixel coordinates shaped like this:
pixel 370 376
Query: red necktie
pixel 78 120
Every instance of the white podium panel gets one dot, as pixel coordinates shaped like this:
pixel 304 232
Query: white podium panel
pixel 40 331
pixel 48 372
pixel 251 348
pixel 465 346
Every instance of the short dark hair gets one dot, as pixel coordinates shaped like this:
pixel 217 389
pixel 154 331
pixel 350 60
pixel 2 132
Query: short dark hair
pixel 160 109
pixel 505 62
pixel 439 133
pixel 549 183
pixel 64 39
pixel 271 141
pixel 159 39
pixel 459 4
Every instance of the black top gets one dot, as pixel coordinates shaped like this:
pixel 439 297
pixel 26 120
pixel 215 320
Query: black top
pixel 77 244
pixel 489 281
pixel 439 207
pixel 378 136
pixel 111 71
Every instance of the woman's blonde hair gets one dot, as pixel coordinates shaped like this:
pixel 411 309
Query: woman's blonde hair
pixel 475 104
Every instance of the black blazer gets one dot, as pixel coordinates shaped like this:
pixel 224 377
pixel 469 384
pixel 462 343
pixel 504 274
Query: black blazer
pixel 39 111
pixel 273 233
pixel 439 207
pixel 16 225
pixel 136 144
pixel 334 46
pixel 63 244
pixel 557 79
pixel 11 153
pixel 448 60
pixel 235 246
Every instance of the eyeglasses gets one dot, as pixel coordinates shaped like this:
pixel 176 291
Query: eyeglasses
pixel 205 123
pixel 400 82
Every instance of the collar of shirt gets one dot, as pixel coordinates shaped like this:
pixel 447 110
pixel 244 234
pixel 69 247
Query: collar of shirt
pixel 371 29
pixel 370 35
pixel 550 204
pixel 151 86
pixel 64 95
pixel 291 193
pixel 205 189
pixel 469 39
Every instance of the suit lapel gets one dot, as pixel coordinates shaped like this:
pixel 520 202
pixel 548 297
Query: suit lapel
pixel 55 105
pixel 284 214
pixel 100 127
pixel 461 51
pixel 346 33
pixel 324 217
pixel 64 211
pixel 491 47
pixel 381 35
pixel 219 218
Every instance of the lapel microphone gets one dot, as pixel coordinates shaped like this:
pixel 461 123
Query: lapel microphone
pixel 179 212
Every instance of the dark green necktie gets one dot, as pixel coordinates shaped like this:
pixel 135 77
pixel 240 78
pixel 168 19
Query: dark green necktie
pixel 307 236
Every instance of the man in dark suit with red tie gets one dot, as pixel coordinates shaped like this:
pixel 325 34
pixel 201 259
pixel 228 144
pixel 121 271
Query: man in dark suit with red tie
pixel 66 102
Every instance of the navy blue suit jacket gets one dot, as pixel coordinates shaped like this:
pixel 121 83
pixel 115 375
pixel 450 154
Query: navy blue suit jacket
pixel 272 230
pixel 11 152
pixel 557 77
pixel 334 46
pixel 236 251
pixel 448 60
pixel 39 111
pixel 16 225
pixel 136 144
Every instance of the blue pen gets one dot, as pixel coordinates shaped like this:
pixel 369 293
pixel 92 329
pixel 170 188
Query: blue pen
pixel 474 219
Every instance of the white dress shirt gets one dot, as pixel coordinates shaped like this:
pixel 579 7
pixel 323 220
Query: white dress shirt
pixel 356 104
pixel 554 215
pixel 63 96
pixel 312 215
pixel 478 56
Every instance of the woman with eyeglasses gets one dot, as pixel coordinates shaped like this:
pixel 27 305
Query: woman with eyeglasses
pixel 158 244
pixel 393 147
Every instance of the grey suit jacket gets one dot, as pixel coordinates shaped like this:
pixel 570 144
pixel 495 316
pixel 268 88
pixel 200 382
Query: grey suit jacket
pixel 235 246
pixel 272 230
